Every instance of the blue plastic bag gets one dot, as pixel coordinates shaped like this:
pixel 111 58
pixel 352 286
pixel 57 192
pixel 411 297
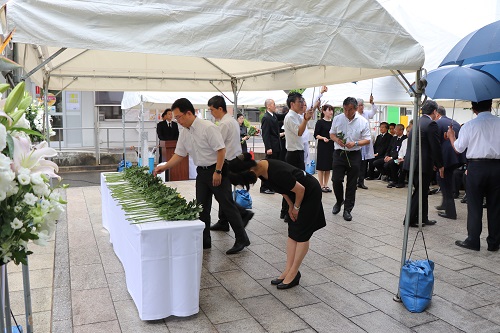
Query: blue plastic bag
pixel 311 168
pixel 242 197
pixel 122 165
pixel 416 284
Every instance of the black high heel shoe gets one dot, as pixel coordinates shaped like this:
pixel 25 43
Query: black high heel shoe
pixel 275 282
pixel 294 282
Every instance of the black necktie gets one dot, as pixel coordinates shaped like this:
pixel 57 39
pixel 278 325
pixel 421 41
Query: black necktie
pixel 169 125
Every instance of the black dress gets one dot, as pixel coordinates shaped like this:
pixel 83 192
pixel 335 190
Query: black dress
pixel 325 149
pixel 311 217
pixel 243 133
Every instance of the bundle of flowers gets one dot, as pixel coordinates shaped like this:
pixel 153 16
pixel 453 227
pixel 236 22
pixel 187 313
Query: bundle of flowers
pixel 145 198
pixel 35 114
pixel 252 130
pixel 29 206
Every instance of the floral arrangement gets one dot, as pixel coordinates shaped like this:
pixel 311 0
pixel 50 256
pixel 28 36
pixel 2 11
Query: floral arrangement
pixel 145 198
pixel 35 115
pixel 29 206
pixel 342 137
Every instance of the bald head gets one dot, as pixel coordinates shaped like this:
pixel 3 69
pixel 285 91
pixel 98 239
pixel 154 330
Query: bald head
pixel 270 106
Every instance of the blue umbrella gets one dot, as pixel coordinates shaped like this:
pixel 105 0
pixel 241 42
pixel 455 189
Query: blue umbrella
pixel 492 68
pixel 454 82
pixel 479 46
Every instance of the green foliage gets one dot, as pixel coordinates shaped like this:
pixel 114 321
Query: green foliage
pixel 145 198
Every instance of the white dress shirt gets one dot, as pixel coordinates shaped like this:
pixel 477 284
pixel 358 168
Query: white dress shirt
pixel 201 141
pixel 291 124
pixel 355 130
pixel 402 150
pixel 230 130
pixel 480 137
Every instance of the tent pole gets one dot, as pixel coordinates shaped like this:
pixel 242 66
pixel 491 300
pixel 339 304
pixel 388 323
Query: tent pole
pixel 124 143
pixel 234 86
pixel 416 109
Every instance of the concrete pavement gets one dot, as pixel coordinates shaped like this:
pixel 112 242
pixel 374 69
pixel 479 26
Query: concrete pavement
pixel 348 279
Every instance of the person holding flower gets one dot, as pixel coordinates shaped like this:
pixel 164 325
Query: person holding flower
pixel 243 132
pixel 349 132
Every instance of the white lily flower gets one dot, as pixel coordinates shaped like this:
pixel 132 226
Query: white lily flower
pixel 3 137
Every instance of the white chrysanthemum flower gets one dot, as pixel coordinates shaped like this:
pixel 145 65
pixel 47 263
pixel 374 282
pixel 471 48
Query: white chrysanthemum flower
pixel 23 230
pixel 3 137
pixel 16 224
pixel 23 171
pixel 36 179
pixel 5 162
pixel 30 199
pixel 41 189
pixel 17 209
pixel 13 189
pixel 45 204
pixel 24 179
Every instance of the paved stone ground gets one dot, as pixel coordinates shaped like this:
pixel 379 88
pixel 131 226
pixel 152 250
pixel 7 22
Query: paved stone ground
pixel 348 279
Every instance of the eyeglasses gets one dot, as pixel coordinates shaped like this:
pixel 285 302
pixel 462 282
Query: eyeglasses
pixel 179 117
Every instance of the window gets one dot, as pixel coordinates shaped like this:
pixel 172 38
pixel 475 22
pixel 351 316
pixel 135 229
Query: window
pixel 405 111
pixel 109 104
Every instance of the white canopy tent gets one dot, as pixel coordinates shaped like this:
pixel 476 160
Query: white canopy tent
pixel 196 45
pixel 162 99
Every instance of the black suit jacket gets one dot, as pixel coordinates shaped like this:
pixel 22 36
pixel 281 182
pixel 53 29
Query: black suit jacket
pixel 167 133
pixel 431 146
pixel 271 132
pixel 451 159
pixel 382 144
pixel 395 146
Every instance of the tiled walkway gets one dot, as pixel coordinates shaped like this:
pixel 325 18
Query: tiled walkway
pixel 349 277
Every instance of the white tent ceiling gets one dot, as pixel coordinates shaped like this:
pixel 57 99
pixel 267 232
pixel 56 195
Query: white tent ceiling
pixel 193 45
pixel 163 99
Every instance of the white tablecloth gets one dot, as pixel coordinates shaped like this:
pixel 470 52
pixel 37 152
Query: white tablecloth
pixel 162 260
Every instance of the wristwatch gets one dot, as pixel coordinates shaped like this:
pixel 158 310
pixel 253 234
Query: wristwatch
pixel 218 171
pixel 356 143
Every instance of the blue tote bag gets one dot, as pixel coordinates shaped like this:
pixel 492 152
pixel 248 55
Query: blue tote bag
pixel 242 197
pixel 416 283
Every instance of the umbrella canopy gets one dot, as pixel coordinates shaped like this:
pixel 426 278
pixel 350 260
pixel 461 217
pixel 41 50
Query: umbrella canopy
pixel 492 68
pixel 455 82
pixel 481 45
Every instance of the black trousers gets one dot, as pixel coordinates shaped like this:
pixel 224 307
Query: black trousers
pixel 396 172
pixel 362 171
pixel 426 181
pixel 295 158
pixel 380 165
pixel 446 186
pixel 345 163
pixel 483 180
pixel 264 184
pixel 371 165
pixel 222 193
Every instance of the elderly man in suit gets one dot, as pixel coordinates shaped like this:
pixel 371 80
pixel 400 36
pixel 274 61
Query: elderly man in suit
pixel 380 147
pixel 431 157
pixel 271 137
pixel 451 161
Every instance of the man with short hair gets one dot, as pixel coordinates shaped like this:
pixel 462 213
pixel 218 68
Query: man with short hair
pixel 349 132
pixel 203 141
pixel 271 137
pixel 390 166
pixel 230 130
pixel 451 161
pixel 392 129
pixel 480 137
pixel 380 147
pixel 430 156
pixel 167 129
pixel 367 152
pixel 295 126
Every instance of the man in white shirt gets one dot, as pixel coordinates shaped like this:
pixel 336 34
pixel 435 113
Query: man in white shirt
pixel 480 137
pixel 203 141
pixel 367 153
pixel 295 126
pixel 230 130
pixel 349 132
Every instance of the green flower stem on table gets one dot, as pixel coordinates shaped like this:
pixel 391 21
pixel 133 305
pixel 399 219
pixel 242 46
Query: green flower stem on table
pixel 144 198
